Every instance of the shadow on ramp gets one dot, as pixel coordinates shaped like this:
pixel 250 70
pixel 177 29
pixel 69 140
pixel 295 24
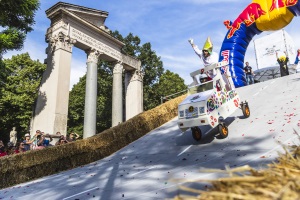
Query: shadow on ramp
pixel 186 138
pixel 209 134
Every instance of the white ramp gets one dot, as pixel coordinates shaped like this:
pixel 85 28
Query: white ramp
pixel 144 169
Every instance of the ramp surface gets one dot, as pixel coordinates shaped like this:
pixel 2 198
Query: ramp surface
pixel 145 168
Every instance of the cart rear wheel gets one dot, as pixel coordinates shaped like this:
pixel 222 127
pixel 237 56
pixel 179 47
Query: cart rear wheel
pixel 246 110
pixel 196 132
pixel 223 129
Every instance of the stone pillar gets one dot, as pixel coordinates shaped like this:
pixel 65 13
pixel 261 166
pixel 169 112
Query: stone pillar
pixel 117 103
pixel 134 95
pixel 90 106
pixel 51 109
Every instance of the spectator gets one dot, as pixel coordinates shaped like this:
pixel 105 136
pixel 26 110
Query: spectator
pixel 283 61
pixel 297 64
pixel 2 149
pixel 249 74
pixel 73 137
pixel 61 140
pixel 34 139
pixel 40 141
pixel 10 148
pixel 27 142
pixel 20 148
pixel 46 142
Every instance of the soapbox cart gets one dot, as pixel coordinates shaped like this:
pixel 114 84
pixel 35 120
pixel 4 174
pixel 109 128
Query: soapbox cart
pixel 208 104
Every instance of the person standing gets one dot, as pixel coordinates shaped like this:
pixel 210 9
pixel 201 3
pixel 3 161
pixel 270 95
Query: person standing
pixel 206 55
pixel 2 149
pixel 27 142
pixel 296 63
pixel 249 74
pixel 73 137
pixel 283 64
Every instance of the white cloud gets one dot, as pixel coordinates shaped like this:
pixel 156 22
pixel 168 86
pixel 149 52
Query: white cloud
pixel 35 49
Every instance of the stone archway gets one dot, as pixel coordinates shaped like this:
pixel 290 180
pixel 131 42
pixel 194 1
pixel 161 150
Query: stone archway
pixel 73 25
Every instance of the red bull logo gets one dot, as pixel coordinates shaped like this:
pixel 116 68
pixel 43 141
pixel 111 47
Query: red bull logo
pixel 225 55
pixel 282 3
pixel 249 15
pixel 253 12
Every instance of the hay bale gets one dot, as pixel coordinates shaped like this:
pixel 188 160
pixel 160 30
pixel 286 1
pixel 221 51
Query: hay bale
pixel 30 165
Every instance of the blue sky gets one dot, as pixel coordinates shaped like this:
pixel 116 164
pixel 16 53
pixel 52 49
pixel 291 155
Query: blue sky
pixel 167 25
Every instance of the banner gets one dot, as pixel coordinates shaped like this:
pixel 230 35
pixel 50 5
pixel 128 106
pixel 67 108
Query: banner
pixel 267 46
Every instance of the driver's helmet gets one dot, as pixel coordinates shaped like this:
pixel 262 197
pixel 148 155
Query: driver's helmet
pixel 203 78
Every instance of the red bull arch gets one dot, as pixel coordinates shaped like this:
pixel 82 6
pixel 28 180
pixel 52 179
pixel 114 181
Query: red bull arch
pixel 258 16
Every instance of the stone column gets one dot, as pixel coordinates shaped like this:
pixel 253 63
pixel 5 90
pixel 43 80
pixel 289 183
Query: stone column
pixel 51 108
pixel 134 95
pixel 90 106
pixel 117 103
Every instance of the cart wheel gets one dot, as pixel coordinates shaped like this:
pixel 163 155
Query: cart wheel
pixel 223 129
pixel 246 110
pixel 196 132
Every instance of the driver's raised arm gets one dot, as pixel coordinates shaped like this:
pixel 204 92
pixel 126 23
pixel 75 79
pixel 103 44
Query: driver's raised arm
pixel 195 47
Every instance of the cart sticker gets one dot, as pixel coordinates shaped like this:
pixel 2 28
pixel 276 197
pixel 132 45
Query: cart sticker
pixel 236 103
pixel 212 123
pixel 231 94
pixel 195 97
pixel 215 119
pixel 210 105
pixel 223 98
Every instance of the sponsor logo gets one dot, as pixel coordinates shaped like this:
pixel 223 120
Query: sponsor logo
pixel 251 13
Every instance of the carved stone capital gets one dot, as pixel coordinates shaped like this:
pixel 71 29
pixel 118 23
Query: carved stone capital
pixel 60 41
pixel 118 69
pixel 93 55
pixel 137 75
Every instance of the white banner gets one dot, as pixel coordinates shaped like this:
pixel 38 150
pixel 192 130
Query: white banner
pixel 266 47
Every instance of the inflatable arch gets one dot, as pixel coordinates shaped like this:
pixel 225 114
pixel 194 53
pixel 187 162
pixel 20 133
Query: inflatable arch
pixel 259 16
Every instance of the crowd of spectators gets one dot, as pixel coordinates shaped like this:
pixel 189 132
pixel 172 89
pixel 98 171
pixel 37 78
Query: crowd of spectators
pixel 39 140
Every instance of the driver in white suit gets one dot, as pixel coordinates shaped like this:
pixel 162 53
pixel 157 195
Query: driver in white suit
pixel 207 55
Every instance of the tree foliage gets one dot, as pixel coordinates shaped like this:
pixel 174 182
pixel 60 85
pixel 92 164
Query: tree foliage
pixel 151 64
pixel 170 85
pixel 19 90
pixel 16 20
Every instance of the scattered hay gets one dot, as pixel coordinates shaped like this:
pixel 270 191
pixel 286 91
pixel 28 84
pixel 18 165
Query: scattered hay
pixel 281 180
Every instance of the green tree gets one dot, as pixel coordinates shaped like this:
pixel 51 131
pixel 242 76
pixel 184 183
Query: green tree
pixel 169 84
pixel 16 20
pixel 19 91
pixel 151 64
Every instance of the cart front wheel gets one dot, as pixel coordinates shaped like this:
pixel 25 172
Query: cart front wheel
pixel 223 129
pixel 196 132
pixel 246 110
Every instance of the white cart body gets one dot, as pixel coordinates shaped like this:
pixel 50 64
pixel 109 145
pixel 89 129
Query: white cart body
pixel 207 104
